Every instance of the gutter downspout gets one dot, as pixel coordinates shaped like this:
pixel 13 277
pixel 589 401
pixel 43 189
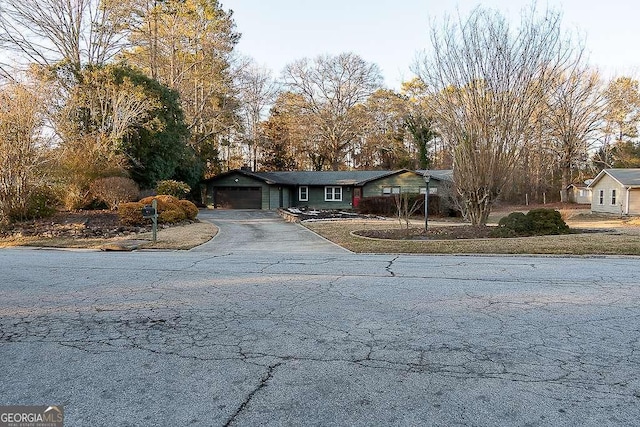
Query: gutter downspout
pixel 626 208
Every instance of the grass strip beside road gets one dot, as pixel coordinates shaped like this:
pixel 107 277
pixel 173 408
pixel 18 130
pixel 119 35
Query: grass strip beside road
pixel 616 242
pixel 175 238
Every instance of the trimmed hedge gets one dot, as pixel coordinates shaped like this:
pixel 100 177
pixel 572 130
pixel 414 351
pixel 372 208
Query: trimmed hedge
pixel 170 210
pixel 171 216
pixel 189 209
pixel 131 213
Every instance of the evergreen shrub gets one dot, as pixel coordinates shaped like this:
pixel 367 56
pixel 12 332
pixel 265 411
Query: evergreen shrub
pixel 537 222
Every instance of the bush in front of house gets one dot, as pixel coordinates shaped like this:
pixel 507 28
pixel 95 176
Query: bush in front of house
pixel 170 187
pixel 386 205
pixel 171 216
pixel 33 202
pixel 172 210
pixel 114 190
pixel 547 221
pixel 536 222
pixel 190 209
pixel 379 205
pixel 131 213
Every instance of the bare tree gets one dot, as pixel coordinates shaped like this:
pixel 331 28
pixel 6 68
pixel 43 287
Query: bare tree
pixel 331 87
pixel 45 32
pixel 574 115
pixel 486 80
pixel 257 90
pixel 22 152
pixel 382 140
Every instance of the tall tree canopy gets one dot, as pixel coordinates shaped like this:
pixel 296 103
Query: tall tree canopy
pixel 331 86
pixel 186 45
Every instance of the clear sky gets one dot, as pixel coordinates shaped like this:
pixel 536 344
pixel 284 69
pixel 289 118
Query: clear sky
pixel 391 32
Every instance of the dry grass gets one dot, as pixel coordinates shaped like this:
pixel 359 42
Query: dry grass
pixel 181 237
pixel 621 240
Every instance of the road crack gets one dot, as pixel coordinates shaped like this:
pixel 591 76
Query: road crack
pixel 263 383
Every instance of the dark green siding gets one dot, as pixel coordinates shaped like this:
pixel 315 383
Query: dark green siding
pixel 243 181
pixel 316 198
pixel 408 182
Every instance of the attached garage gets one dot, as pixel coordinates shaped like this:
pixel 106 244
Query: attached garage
pixel 237 197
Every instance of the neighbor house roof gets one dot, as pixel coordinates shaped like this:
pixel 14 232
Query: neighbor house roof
pixel 316 178
pixel 580 185
pixel 626 177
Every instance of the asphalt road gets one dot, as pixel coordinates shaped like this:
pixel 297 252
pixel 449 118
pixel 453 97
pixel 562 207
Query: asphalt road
pixel 269 338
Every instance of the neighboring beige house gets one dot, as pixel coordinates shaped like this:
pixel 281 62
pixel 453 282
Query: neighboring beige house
pixel 616 191
pixel 579 193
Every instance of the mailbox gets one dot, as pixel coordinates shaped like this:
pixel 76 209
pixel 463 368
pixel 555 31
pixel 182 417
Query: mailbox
pixel 148 212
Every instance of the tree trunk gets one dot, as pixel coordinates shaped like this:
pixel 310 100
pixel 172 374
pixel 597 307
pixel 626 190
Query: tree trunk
pixel 565 182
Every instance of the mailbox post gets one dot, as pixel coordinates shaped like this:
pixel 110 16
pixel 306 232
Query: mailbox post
pixel 426 178
pixel 152 212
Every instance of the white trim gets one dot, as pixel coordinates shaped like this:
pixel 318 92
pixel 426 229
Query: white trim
pixel 334 190
pixel 306 198
pixel 613 197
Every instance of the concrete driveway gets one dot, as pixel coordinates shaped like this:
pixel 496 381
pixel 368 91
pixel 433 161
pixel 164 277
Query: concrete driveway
pixel 243 231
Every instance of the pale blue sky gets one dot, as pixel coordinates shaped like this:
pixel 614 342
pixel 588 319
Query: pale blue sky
pixel 390 32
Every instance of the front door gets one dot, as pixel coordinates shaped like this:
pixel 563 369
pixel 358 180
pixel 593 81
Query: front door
pixel 357 195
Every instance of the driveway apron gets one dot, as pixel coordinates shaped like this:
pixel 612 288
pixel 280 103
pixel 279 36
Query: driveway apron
pixel 261 231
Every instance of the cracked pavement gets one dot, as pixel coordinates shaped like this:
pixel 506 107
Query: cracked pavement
pixel 259 338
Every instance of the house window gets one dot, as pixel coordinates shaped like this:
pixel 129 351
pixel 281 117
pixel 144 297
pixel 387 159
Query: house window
pixel 332 194
pixel 613 197
pixel 582 193
pixel 386 191
pixel 601 197
pixel 303 194
pixel 432 190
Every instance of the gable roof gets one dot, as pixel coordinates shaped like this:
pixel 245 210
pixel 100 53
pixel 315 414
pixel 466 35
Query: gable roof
pixel 439 174
pixel 316 178
pixel 579 185
pixel 627 177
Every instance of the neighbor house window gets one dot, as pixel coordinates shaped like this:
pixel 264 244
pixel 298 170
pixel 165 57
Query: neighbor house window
pixel 613 197
pixel 332 194
pixel 601 197
pixel 303 194
pixel 386 191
